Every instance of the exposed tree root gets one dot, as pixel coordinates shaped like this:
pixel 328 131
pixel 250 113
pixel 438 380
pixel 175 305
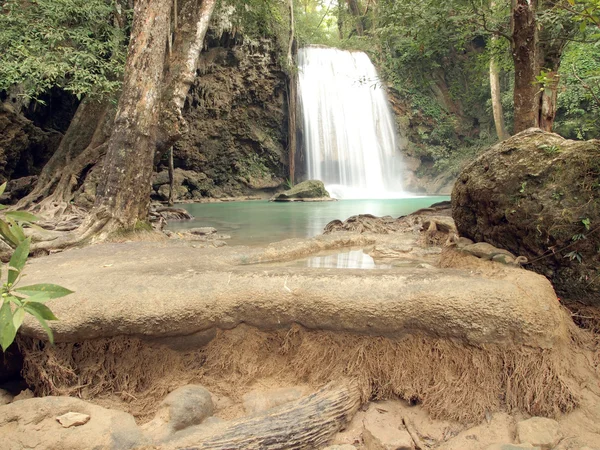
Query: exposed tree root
pixel 451 379
pixel 304 424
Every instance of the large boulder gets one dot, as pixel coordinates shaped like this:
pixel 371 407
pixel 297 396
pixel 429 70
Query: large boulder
pixel 538 195
pixel 309 190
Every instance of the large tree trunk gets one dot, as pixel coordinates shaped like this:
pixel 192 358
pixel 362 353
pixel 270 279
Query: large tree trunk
pixel 83 145
pixel 149 114
pixel 124 190
pixel 292 98
pixel 524 44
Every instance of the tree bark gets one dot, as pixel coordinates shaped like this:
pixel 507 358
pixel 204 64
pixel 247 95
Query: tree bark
pixel 355 11
pixel 83 145
pixel 149 115
pixel 305 424
pixel 495 92
pixel 524 44
pixel 124 190
pixel 292 98
pixel 497 100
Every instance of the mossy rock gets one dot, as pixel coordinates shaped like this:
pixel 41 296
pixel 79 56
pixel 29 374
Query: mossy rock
pixel 538 195
pixel 310 190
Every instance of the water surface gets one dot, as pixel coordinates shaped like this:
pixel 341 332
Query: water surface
pixel 261 222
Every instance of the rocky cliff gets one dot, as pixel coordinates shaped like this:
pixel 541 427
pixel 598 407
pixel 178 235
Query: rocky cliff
pixel 237 113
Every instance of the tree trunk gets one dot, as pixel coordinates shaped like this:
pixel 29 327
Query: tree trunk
pixel 355 11
pixel 524 44
pixel 496 93
pixel 550 49
pixel 83 145
pixel 497 100
pixel 304 424
pixel 340 19
pixel 292 98
pixel 124 190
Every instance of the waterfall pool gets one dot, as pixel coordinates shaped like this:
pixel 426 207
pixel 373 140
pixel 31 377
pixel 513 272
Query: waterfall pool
pixel 258 223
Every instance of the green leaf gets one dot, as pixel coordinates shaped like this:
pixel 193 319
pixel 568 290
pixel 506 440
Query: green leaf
pixel 7 234
pixel 19 256
pixel 41 297
pixel 42 322
pixel 22 216
pixel 51 290
pixel 2 188
pixel 17 230
pixel 7 328
pixel 18 318
pixel 41 310
pixel 12 275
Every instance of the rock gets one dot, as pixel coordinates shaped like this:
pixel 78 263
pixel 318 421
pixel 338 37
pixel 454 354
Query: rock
pixel 32 423
pixel 183 408
pixel 512 447
pixel 533 195
pixel 23 395
pixel 5 397
pixel 305 191
pixel 505 309
pixel 202 231
pixel 20 187
pixel 385 432
pixel 539 431
pixel 73 419
pixel 340 447
pixel 257 401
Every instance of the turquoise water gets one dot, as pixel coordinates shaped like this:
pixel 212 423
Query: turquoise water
pixel 263 222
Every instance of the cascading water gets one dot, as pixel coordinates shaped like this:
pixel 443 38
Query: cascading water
pixel 349 131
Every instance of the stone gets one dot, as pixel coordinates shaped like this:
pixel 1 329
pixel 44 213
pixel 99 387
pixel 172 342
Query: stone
pixel 73 419
pixel 223 290
pixel 202 231
pixel 257 401
pixel 521 194
pixel 539 431
pixel 32 423
pixel 5 397
pixel 23 395
pixel 307 190
pixel 340 447
pixel 512 447
pixel 383 431
pixel 185 407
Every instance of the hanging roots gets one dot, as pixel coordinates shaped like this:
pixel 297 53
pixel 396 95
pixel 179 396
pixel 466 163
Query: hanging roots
pixel 452 380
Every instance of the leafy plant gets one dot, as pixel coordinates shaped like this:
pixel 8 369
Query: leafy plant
pixel 574 256
pixel 19 301
pixel 289 184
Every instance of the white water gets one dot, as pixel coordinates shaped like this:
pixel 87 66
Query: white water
pixel 349 130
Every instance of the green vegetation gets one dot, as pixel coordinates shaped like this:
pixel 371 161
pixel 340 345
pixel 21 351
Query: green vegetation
pixel 19 301
pixel 77 45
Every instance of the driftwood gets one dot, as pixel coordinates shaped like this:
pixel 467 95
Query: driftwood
pixel 307 423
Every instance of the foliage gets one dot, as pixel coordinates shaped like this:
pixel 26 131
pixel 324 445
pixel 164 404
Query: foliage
pixel 578 106
pixel 19 301
pixel 73 44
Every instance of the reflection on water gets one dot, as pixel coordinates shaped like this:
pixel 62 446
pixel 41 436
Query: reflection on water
pixel 263 222
pixel 354 259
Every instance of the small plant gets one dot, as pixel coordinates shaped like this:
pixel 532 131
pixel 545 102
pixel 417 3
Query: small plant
pixel 523 185
pixel 289 184
pixel 586 223
pixel 574 255
pixel 550 149
pixel 18 301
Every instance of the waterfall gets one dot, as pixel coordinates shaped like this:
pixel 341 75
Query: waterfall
pixel 350 138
